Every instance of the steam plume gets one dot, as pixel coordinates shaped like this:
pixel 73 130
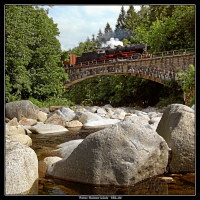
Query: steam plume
pixel 112 43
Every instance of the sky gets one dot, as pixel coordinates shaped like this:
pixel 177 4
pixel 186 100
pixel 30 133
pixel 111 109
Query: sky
pixel 76 23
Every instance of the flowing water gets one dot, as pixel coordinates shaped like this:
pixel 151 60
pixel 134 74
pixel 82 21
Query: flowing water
pixel 178 184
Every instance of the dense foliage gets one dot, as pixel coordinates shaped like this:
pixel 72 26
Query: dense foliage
pixel 32 55
pixel 119 90
pixel 186 79
pixel 33 60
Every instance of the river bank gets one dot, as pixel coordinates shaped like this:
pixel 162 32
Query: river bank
pixel 48 129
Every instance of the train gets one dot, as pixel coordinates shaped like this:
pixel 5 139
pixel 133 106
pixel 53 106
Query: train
pixel 105 55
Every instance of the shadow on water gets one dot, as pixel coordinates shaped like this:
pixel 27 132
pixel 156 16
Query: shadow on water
pixel 181 184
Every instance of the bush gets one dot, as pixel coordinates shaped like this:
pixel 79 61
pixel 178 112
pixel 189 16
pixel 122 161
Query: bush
pixel 35 102
pixel 170 100
pixel 53 101
pixel 170 94
pixel 192 101
pixel 186 79
pixel 57 102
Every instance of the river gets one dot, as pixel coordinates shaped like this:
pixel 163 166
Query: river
pixel 174 184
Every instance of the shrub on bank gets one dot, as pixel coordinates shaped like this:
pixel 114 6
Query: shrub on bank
pixel 53 101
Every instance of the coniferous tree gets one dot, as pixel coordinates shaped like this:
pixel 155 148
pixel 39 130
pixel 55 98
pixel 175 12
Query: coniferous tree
pixel 121 19
pixel 93 38
pixel 108 28
pixel 99 38
pixel 143 15
pixel 108 32
pixel 132 19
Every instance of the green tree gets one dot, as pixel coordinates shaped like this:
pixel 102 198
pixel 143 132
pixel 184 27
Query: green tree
pixel 184 16
pixel 143 15
pixel 121 19
pixel 141 35
pixel 108 28
pixel 86 46
pixel 158 36
pixel 131 19
pixel 126 42
pixel 65 55
pixel 160 12
pixel 18 38
pixel 138 23
pixel 175 32
pixel 99 38
pixel 93 38
pixel 186 79
pixel 33 64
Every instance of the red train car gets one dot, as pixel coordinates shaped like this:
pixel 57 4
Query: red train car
pixel 72 60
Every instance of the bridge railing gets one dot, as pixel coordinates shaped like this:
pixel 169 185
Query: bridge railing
pixel 130 58
pixel 173 53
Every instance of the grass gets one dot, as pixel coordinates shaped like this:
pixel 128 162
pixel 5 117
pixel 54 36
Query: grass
pixel 51 102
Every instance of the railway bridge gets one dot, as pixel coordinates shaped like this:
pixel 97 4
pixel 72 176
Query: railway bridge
pixel 159 67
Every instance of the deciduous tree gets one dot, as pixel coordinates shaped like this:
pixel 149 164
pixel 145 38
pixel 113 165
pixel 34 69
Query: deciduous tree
pixel 33 64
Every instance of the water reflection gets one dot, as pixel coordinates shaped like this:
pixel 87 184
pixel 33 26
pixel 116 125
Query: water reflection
pixel 152 186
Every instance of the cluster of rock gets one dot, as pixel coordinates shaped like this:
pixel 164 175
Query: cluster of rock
pixel 58 119
pixel 130 151
pixel 122 154
pixel 133 146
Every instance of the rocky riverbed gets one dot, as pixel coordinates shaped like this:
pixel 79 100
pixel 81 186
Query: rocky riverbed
pixel 132 145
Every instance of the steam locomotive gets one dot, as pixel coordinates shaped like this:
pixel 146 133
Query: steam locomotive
pixel 105 55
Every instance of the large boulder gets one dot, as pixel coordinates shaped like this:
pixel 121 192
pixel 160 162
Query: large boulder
pixel 11 130
pixel 58 112
pixel 24 139
pixel 107 106
pixel 177 127
pixel 68 114
pixel 27 122
pixel 56 120
pixel 92 117
pixel 122 154
pixel 100 123
pixel 13 122
pixel 65 149
pixel 20 109
pixel 45 110
pixel 42 116
pixel 118 114
pixel 42 128
pixel 79 108
pixel 51 160
pixel 93 120
pixel 91 109
pixel 193 107
pixel 53 108
pixel 154 122
pixel 81 117
pixel 101 111
pixel 18 134
pixel 142 114
pixel 73 124
pixel 21 168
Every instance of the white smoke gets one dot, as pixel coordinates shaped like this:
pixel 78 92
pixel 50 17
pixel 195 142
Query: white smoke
pixel 112 43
